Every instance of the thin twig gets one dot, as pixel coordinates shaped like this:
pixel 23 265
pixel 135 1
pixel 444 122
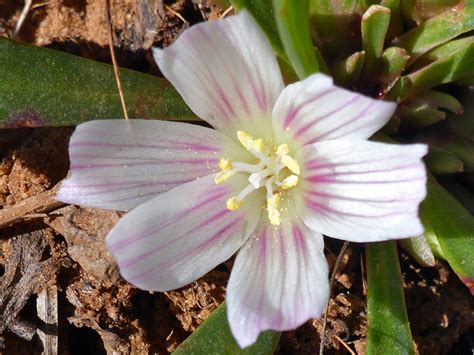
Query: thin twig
pixel 226 12
pixel 41 203
pixel 114 60
pixel 21 19
pixel 177 14
pixel 331 282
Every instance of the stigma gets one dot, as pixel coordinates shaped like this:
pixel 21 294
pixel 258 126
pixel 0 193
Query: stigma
pixel 273 169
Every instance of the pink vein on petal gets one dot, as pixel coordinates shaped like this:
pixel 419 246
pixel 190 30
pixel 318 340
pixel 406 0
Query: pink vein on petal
pixel 135 237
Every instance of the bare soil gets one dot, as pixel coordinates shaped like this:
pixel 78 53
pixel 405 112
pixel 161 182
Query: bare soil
pixel 60 256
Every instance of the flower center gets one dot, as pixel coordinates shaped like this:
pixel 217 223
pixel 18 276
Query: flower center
pixel 274 169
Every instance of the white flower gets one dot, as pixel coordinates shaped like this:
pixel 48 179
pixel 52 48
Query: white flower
pixel 282 167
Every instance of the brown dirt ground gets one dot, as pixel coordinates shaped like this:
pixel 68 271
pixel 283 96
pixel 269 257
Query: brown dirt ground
pixel 64 251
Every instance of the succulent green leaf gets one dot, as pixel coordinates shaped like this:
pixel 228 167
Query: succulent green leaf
pixel 400 90
pixel 292 19
pixel 449 62
pixel 335 26
pixel 213 337
pixel 348 70
pixel 396 23
pixel 422 10
pixel 388 327
pixel 420 250
pixel 442 161
pixel 464 148
pixel 394 60
pixel 438 30
pixel 54 88
pixel 374 28
pixel 440 99
pixel 451 226
pixel 419 117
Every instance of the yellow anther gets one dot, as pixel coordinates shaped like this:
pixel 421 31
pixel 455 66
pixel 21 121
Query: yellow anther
pixel 282 149
pixel 225 164
pixel 272 208
pixel 291 164
pixel 245 139
pixel 223 176
pixel 258 145
pixel 233 204
pixel 289 182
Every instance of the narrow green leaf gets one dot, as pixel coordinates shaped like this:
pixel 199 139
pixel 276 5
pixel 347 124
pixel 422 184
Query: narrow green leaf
pixel 452 227
pixel 292 19
pixel 388 327
pixel 451 62
pixel 56 88
pixel 442 161
pixel 420 250
pixel 349 70
pixel 374 27
pixel 438 30
pixel 213 337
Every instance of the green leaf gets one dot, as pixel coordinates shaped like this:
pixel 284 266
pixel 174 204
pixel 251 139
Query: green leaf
pixel 452 229
pixel 388 327
pixel 442 161
pixel 335 26
pixel 440 99
pixel 419 116
pixel 438 30
pixel 213 337
pixel 349 70
pixel 394 60
pixel 422 10
pixel 420 250
pixel 262 11
pixel 61 89
pixel 450 62
pixel 374 27
pixel 292 19
pixel 396 23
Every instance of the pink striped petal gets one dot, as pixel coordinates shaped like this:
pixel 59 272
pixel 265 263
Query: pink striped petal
pixel 315 110
pixel 118 165
pixel 180 235
pixel 362 191
pixel 226 72
pixel 279 280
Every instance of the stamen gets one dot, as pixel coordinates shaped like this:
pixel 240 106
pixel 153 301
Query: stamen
pixel 225 164
pixel 233 204
pixel 289 182
pixel 223 176
pixel 256 178
pixel 291 164
pixel 275 169
pixel 272 208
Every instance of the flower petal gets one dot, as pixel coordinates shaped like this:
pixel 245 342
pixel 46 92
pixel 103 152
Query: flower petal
pixel 279 280
pixel 226 72
pixel 315 110
pixel 118 164
pixel 362 191
pixel 180 235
